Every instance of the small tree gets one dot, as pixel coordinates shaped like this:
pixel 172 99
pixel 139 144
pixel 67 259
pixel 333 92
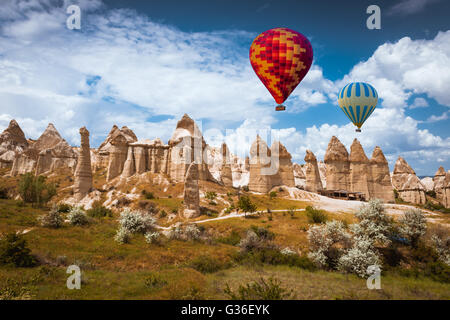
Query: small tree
pixel 413 225
pixel 246 205
pixel 374 223
pixel 52 219
pixel 77 217
pixel 35 190
pixel 14 250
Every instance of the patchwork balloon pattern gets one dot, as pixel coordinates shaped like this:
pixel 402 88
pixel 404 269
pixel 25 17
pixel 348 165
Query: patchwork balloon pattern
pixel 281 58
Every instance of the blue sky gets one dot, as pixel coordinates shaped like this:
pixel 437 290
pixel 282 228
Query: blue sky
pixel 145 63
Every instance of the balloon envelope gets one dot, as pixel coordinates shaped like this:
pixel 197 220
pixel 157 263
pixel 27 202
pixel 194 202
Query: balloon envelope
pixel 281 58
pixel 358 100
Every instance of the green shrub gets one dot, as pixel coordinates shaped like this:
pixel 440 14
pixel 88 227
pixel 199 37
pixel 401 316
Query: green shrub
pixel 154 280
pixel 263 233
pixel 232 239
pixel 245 188
pixel 64 207
pixel 260 290
pixel 436 207
pixel 437 271
pixel 315 215
pixel 163 214
pixel 148 195
pixel 4 193
pixel 431 193
pixel 272 195
pixel 34 189
pixel 77 217
pixel 246 205
pixel 99 211
pixel 52 219
pixel 207 264
pixel 210 195
pixel 14 250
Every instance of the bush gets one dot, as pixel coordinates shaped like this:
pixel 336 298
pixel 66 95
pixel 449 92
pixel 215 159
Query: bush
pixel 315 215
pixel 52 219
pixel 207 264
pixel 136 222
pixel 260 290
pixel 291 211
pixel 14 250
pixel 246 205
pixel 163 214
pixel 272 195
pixel 263 233
pixel 245 188
pixel 190 232
pixel 413 225
pixel 153 237
pixel 441 245
pixel 4 193
pixel 155 281
pixel 99 211
pixel 233 239
pixel 326 243
pixel 431 193
pixel 374 223
pixel 148 195
pixel 122 236
pixel 358 258
pixel 77 217
pixel 64 207
pixel 34 189
pixel 210 195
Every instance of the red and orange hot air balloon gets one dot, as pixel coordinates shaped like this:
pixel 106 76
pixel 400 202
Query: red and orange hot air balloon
pixel 281 58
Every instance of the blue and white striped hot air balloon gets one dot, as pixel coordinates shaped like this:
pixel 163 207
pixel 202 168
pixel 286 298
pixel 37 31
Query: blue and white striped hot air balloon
pixel 358 100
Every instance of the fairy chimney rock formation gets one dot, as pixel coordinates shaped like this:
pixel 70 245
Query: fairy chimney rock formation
pixel 439 184
pixel 129 167
pixel 12 142
pixel 337 166
pixel 282 164
pixel 185 147
pixel 359 173
pixel 260 172
pixel 226 174
pixel 446 195
pixel 299 176
pixel 406 182
pixel 83 171
pixel 380 186
pixel 313 182
pixel 191 192
pixel 118 151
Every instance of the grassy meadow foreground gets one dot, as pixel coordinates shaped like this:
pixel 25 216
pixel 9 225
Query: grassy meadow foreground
pixel 205 267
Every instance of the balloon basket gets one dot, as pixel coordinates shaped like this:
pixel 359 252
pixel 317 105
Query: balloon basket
pixel 358 130
pixel 280 108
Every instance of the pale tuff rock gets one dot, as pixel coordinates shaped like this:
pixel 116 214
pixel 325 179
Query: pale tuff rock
pixel 323 173
pixel 269 167
pixel 12 142
pixel 359 169
pixel 312 174
pixel 117 156
pixel 260 180
pixel 128 167
pixel 406 182
pixel 299 176
pixel 240 171
pixel 440 184
pixel 428 183
pixel 104 148
pixel 83 171
pixel 285 172
pixel 48 153
pixel 186 146
pixel 226 174
pixel 191 192
pixel 140 157
pixel 380 186
pixel 446 197
pixel 337 166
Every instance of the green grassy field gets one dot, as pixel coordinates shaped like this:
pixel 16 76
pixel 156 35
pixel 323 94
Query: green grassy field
pixel 114 271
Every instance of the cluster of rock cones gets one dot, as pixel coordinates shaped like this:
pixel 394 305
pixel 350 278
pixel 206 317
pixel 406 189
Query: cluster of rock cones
pixel 183 159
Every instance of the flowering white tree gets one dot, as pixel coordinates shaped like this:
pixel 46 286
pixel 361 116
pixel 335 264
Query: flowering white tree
pixel 322 240
pixel 136 222
pixel 374 223
pixel 413 225
pixel 77 217
pixel 359 257
pixel 442 247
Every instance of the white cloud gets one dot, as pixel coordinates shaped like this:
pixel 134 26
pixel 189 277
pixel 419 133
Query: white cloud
pixel 443 116
pixel 419 103
pixel 406 67
pixel 407 7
